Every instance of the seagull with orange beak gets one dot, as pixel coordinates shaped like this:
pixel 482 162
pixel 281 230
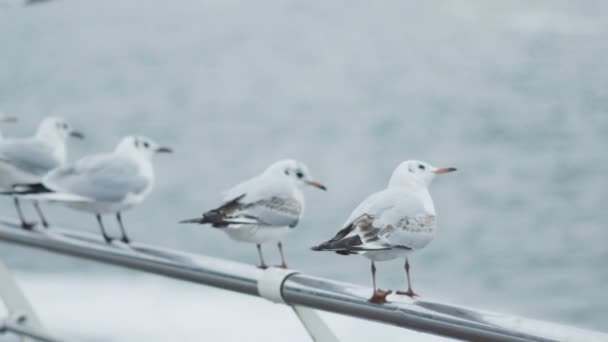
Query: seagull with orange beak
pixel 392 223
pixel 264 208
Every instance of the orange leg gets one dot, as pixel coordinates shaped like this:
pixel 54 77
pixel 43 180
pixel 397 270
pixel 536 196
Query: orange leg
pixel 409 291
pixel 379 295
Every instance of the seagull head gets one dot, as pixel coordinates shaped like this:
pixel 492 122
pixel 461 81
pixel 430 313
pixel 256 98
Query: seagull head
pixel 415 173
pixel 58 129
pixel 140 146
pixel 7 118
pixel 294 170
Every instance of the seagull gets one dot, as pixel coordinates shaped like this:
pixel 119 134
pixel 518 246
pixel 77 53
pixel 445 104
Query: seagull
pixel 263 208
pixel 104 183
pixel 392 223
pixel 28 160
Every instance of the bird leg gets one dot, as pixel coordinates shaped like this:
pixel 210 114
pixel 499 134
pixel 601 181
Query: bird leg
pixel 409 291
pixel 24 224
pixel 283 263
pixel 45 223
pixel 262 264
pixel 379 295
pixel 103 230
pixel 124 238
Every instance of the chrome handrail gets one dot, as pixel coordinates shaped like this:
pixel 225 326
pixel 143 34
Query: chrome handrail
pixel 300 289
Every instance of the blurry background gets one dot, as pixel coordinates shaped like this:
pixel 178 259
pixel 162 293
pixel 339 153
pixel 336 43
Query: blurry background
pixel 514 94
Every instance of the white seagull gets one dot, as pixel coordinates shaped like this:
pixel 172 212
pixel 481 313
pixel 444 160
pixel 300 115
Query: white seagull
pixel 391 223
pixel 104 183
pixel 264 208
pixel 28 160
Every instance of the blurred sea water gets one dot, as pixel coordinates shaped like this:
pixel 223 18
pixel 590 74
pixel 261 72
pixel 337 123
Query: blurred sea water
pixel 514 94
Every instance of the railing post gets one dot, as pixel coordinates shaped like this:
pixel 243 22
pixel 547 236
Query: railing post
pixel 19 309
pixel 316 327
pixel 270 286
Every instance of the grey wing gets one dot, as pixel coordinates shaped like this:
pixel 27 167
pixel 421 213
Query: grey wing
pixel 367 233
pixel 102 178
pixel 413 232
pixel 274 211
pixel 29 156
pixel 358 235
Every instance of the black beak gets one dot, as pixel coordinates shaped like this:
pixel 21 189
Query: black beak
pixel 164 150
pixel 8 118
pixel 77 135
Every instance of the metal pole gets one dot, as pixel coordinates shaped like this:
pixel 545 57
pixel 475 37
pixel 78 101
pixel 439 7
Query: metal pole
pixel 20 311
pixel 314 325
pixel 24 331
pixel 301 289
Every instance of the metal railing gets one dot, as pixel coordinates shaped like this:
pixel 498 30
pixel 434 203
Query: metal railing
pixel 20 318
pixel 299 289
pixel 24 331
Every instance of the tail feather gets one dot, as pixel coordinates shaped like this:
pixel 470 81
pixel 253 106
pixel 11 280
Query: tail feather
pixel 194 220
pixel 213 217
pixel 340 243
pixel 350 245
pixel 324 248
pixel 329 246
pixel 218 219
pixel 27 189
pixel 224 215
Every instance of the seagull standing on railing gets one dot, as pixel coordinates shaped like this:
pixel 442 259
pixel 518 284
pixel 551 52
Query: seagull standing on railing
pixel 391 223
pixel 103 183
pixel 264 208
pixel 28 160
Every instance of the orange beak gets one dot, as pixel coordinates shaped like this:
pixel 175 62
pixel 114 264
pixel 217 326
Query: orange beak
pixel 317 185
pixel 443 170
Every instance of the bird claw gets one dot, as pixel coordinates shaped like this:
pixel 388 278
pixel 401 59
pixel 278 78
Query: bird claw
pixel 283 266
pixel 28 225
pixel 262 266
pixel 408 293
pixel 125 240
pixel 379 296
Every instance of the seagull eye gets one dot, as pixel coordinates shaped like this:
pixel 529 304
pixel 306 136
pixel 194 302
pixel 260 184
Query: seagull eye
pixel 421 167
pixel 146 144
pixel 299 174
pixel 64 126
pixel 286 172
